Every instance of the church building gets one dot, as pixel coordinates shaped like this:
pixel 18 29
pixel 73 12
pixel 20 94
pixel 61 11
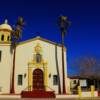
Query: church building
pixel 36 64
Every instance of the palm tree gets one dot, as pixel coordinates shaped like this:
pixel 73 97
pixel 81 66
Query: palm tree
pixel 16 35
pixel 63 24
pixel 57 67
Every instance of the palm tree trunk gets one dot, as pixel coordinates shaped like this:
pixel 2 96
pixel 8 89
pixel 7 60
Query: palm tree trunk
pixel 57 67
pixel 63 67
pixel 94 83
pixel 98 85
pixel 12 89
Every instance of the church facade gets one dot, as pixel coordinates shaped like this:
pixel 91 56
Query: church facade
pixel 36 63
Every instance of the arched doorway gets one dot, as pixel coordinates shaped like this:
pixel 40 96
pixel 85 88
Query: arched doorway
pixel 38 79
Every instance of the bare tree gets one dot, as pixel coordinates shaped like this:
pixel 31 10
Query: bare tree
pixel 88 67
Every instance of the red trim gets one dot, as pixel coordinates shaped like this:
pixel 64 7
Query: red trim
pixel 98 93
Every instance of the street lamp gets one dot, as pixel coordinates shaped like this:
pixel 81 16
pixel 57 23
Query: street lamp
pixel 63 23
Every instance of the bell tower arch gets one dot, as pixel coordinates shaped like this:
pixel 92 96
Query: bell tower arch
pixel 5 32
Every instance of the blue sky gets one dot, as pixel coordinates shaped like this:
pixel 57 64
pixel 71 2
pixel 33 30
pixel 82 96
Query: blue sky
pixel 41 16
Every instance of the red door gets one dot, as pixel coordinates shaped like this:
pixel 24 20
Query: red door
pixel 38 79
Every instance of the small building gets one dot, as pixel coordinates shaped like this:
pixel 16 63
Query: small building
pixel 84 82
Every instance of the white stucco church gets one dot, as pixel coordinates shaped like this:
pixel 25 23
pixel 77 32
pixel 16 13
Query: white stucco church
pixel 35 64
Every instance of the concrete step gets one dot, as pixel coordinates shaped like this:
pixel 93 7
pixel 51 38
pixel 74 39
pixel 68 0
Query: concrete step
pixel 38 94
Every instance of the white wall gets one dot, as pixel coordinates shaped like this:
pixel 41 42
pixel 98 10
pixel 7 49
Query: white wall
pixel 5 68
pixel 25 54
pixel 89 94
pixel 72 84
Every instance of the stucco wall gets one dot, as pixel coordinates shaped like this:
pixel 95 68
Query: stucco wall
pixel 24 55
pixel 5 68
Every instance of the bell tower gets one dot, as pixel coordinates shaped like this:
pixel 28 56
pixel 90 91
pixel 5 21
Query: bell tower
pixel 5 32
pixel 5 56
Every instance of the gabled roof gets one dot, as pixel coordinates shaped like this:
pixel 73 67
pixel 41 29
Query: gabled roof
pixel 39 38
pixel 74 77
pixel 79 77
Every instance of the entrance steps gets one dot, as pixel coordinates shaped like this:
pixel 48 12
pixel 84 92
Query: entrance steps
pixel 38 94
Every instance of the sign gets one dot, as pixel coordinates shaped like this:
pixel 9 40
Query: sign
pixel 83 83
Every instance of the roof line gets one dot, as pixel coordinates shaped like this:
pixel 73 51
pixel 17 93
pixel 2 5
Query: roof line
pixel 38 38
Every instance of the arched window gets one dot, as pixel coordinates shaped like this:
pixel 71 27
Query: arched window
pixel 8 38
pixel 2 37
pixel 38 58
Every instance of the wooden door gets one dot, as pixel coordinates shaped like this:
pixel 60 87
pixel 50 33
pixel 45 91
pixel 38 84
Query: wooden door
pixel 38 79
